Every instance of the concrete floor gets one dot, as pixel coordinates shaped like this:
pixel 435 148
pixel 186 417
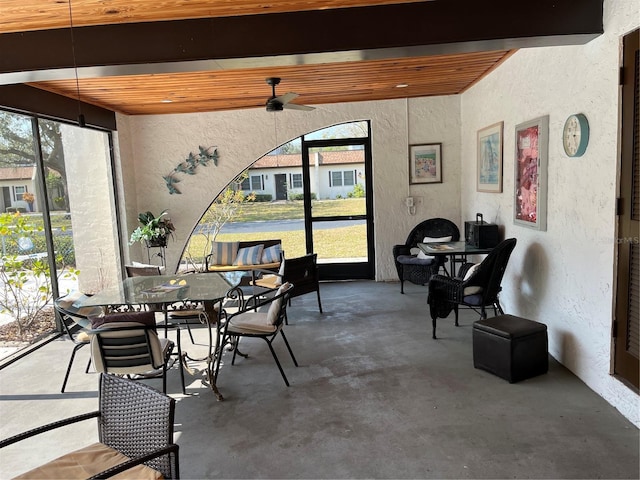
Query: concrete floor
pixel 374 397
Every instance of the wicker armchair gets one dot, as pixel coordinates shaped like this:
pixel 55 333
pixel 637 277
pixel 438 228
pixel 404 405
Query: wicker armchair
pixel 135 430
pixel 418 270
pixel 475 289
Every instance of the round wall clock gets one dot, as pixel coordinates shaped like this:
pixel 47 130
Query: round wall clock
pixel 575 136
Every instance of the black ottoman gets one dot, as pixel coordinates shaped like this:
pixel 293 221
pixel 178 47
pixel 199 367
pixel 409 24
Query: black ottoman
pixel 510 347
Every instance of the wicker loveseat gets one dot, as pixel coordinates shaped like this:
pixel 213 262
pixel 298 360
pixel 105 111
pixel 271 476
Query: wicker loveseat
pixel 409 264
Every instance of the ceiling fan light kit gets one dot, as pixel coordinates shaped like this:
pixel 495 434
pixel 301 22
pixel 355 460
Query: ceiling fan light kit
pixel 277 103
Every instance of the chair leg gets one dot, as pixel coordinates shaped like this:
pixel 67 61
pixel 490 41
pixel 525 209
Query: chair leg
pixel 275 357
pixel 184 391
pixel 73 354
pixel 433 326
pixel 319 302
pixel 219 359
pixel 295 362
pixel 455 309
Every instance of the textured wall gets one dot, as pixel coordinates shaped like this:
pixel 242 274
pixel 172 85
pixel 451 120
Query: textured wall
pixel 90 199
pixel 151 146
pixel 563 277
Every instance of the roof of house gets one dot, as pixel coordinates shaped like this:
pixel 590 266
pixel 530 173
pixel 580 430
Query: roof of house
pixel 329 157
pixel 17 173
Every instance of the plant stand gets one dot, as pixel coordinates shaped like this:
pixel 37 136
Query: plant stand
pixel 160 244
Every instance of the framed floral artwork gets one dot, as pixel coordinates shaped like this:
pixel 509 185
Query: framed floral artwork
pixel 489 177
pixel 425 163
pixel 532 151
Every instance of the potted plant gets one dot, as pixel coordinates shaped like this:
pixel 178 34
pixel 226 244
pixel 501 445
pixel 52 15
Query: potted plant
pixel 153 230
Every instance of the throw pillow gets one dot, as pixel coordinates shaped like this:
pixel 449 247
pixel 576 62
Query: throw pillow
pixel 146 318
pixel 436 239
pixel 249 255
pixel 272 254
pixel 471 271
pixel 424 256
pixel 274 308
pixel 223 253
pixel 472 290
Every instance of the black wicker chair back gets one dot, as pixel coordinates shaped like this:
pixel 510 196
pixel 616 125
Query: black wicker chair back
pixel 416 273
pixel 479 291
pixel 134 419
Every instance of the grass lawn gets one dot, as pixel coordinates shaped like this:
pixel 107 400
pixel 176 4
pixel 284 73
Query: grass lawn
pixel 255 211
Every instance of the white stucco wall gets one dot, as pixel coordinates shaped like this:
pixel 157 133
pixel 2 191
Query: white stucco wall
pixel 564 276
pixel 87 162
pixel 151 146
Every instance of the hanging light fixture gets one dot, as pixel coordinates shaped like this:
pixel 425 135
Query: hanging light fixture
pixel 81 120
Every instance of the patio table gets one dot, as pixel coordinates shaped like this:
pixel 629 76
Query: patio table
pixel 208 288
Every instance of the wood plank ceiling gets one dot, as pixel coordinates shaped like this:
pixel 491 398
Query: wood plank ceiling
pixel 159 87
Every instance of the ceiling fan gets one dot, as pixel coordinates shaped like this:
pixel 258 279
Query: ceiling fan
pixel 278 103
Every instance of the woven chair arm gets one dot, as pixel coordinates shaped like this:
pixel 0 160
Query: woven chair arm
pixel 48 427
pixel 401 250
pixel 451 288
pixel 170 449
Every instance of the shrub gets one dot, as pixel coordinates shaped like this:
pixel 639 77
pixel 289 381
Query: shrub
pixel 300 196
pixel 357 192
pixel 263 197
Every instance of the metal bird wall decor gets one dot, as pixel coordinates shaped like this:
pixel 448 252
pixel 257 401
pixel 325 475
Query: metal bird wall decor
pixel 189 165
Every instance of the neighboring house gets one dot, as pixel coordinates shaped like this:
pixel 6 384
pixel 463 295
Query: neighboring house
pixel 15 182
pixel 333 174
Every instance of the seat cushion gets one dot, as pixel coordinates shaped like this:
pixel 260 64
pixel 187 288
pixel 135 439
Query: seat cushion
pixel 251 322
pixel 87 462
pixel 411 260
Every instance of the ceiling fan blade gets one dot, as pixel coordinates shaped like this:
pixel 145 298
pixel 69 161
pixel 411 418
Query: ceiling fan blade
pixel 295 106
pixel 287 97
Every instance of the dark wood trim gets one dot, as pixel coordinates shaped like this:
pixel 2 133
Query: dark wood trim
pixel 297 33
pixel 33 101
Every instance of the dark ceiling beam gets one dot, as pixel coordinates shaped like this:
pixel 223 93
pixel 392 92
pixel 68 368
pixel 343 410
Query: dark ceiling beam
pixel 28 100
pixel 298 37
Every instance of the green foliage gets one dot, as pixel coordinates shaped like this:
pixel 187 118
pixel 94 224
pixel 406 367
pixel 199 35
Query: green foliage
pixel 25 279
pixel 300 196
pixel 357 192
pixel 152 227
pixel 262 197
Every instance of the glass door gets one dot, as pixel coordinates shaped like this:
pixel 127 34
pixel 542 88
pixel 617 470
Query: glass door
pixel 338 206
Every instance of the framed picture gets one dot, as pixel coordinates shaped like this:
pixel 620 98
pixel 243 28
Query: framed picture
pixel 425 163
pixel 532 151
pixel 490 159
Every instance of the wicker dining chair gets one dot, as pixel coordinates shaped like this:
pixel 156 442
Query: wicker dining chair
pixel 135 431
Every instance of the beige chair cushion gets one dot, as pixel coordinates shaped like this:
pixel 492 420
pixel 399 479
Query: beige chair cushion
pixel 242 268
pixel 251 322
pixel 89 461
